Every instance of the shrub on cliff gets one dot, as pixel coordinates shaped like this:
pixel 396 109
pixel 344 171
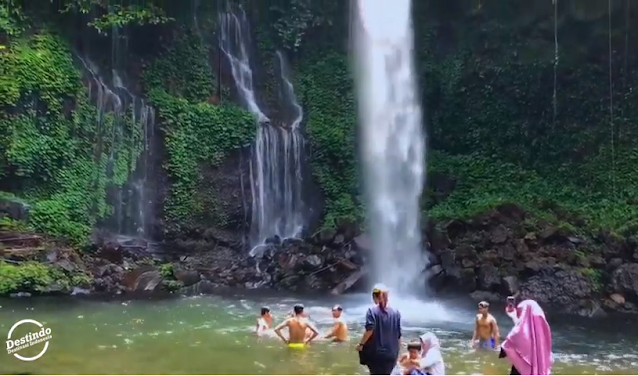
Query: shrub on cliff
pixel 29 277
pixel 482 183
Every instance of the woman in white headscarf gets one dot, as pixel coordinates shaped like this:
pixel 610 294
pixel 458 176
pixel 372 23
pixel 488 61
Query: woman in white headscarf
pixel 431 358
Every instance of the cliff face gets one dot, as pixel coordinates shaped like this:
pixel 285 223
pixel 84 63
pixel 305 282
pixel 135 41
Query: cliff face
pixel 132 121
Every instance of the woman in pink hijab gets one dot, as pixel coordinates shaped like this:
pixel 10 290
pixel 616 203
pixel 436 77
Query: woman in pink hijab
pixel 528 346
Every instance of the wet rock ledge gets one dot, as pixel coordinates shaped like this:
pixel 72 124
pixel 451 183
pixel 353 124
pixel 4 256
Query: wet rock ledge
pixel 506 251
pixel 328 261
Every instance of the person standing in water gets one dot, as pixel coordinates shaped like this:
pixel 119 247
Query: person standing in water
pixel 383 328
pixel 264 321
pixel 528 346
pixel 339 331
pixel 485 329
pixel 297 327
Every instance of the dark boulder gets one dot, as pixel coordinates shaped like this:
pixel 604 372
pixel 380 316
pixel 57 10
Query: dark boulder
pixel 186 277
pixel 142 279
pixel 624 281
pixel 562 289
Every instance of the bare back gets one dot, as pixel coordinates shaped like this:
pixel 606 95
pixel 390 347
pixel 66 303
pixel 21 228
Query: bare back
pixel 341 331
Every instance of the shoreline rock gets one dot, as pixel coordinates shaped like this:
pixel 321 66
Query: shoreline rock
pixel 506 251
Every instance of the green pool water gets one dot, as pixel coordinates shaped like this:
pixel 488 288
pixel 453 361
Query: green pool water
pixel 214 335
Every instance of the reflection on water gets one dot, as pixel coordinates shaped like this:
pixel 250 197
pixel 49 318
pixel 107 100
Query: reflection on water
pixel 214 335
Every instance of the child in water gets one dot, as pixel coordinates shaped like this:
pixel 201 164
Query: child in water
pixel 410 362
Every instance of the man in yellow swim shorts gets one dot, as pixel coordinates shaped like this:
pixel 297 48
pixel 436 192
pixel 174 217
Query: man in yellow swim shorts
pixel 297 326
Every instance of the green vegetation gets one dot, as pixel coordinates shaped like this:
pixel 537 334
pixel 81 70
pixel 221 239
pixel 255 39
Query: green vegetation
pixel 596 276
pixel 55 152
pixel 328 97
pixel 169 282
pixel 166 270
pixel 61 160
pixel 197 134
pixel 182 69
pixel 38 278
pixel 483 184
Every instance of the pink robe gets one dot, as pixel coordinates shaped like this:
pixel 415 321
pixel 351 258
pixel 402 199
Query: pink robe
pixel 528 346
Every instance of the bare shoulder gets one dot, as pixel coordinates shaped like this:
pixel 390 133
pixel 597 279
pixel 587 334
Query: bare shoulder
pixel 491 319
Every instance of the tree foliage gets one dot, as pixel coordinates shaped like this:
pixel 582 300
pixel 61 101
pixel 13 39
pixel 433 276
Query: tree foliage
pixel 108 15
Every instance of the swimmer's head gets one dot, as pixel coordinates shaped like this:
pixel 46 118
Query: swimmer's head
pixel 336 311
pixel 483 307
pixel 298 309
pixel 265 311
pixel 414 349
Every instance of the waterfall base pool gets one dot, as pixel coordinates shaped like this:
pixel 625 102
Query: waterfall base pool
pixel 215 335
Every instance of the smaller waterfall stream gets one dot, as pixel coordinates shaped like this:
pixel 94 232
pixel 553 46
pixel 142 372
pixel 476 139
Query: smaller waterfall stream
pixel 234 41
pixel 131 198
pixel 276 163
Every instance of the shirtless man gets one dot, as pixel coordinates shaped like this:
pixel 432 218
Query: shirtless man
pixel 297 327
pixel 486 329
pixel 339 331
pixel 264 321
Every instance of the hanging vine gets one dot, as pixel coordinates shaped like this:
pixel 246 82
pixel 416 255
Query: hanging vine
pixel 611 104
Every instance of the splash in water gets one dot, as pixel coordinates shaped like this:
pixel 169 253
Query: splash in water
pixel 393 147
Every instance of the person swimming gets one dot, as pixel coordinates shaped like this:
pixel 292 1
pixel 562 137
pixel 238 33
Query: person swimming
pixel 297 327
pixel 339 331
pixel 486 334
pixel 264 321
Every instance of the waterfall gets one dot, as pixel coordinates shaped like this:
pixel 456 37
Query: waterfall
pixel 234 42
pixel 291 215
pixel 393 145
pixel 276 163
pixel 131 199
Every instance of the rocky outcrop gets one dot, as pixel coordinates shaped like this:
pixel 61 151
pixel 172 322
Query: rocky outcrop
pixel 328 261
pixel 14 208
pixel 322 263
pixel 506 251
